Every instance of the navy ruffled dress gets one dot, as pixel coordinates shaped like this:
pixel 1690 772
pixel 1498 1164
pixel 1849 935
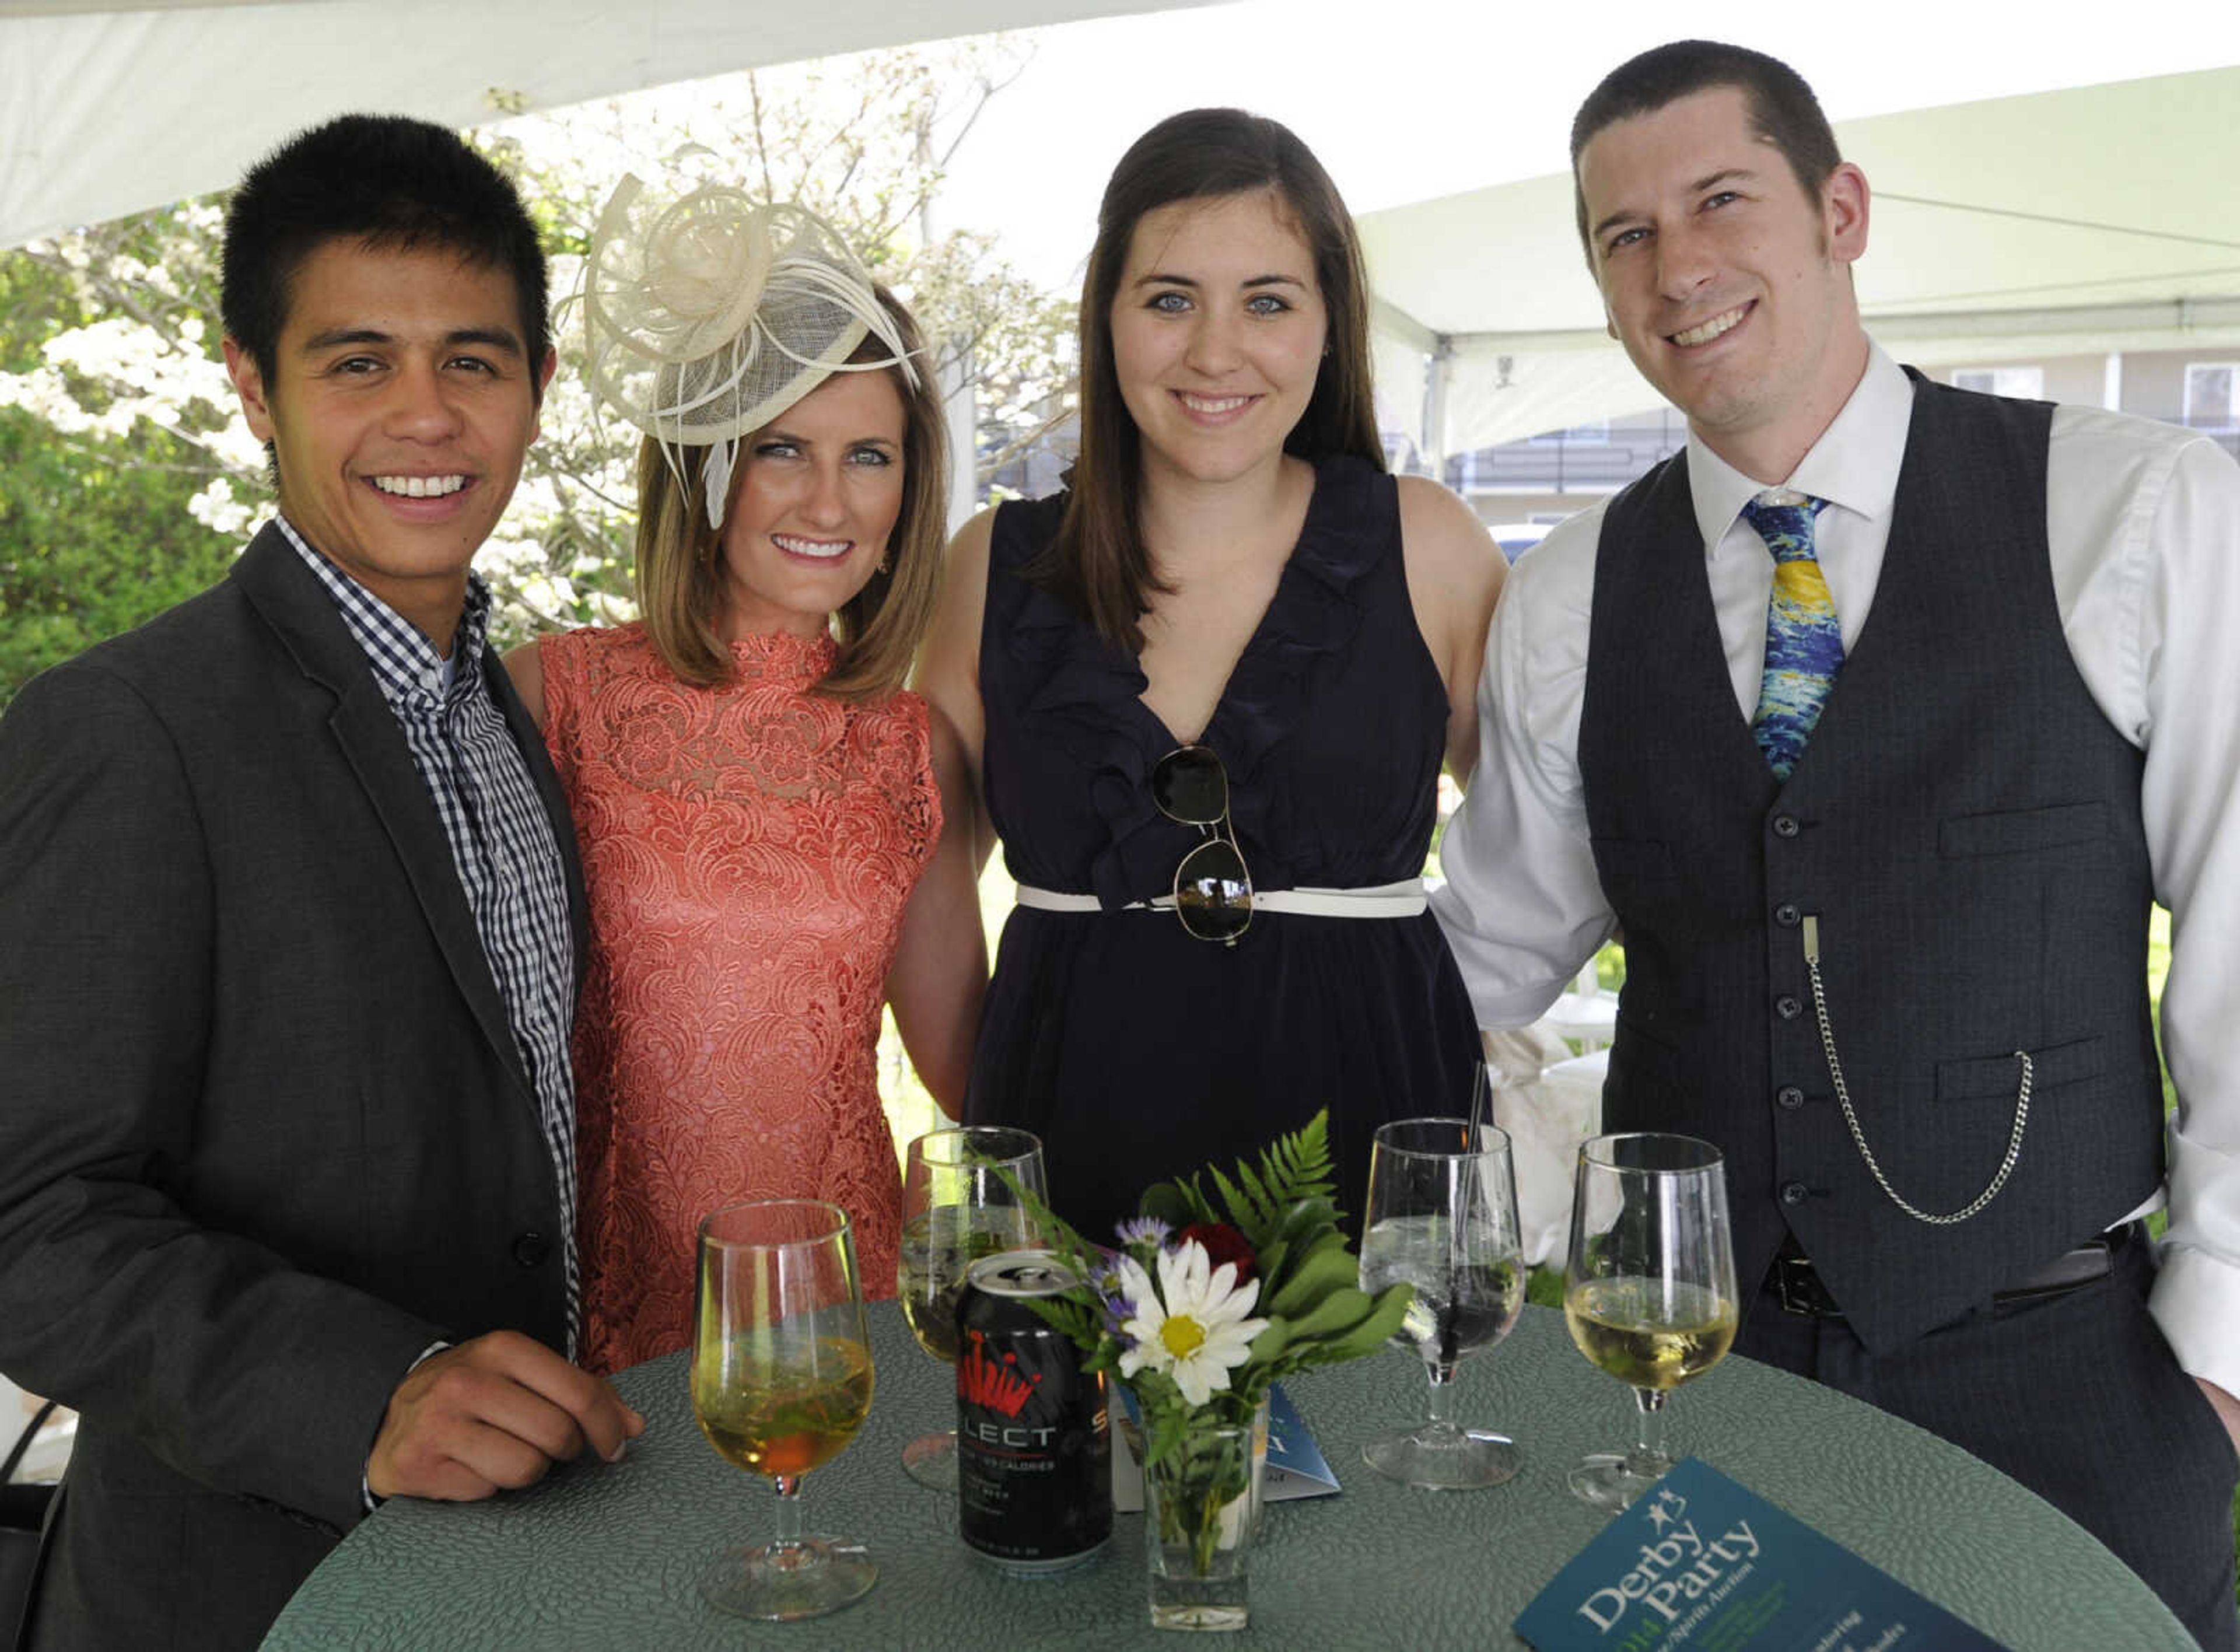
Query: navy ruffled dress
pixel 1136 1052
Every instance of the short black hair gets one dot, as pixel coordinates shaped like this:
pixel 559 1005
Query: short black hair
pixel 392 182
pixel 1782 107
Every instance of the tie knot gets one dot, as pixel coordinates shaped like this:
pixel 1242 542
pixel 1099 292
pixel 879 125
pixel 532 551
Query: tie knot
pixel 1785 521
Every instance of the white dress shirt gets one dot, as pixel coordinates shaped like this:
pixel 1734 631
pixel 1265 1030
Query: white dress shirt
pixel 2144 525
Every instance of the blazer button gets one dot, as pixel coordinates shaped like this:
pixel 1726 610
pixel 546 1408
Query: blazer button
pixel 1785 826
pixel 1789 1098
pixel 1787 1008
pixel 1787 916
pixel 1795 1193
pixel 531 1249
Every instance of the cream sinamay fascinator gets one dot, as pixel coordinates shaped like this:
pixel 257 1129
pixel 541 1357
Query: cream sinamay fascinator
pixel 707 316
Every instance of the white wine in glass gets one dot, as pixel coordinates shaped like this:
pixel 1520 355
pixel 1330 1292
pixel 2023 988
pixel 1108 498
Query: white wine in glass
pixel 960 1202
pixel 781 1382
pixel 1443 1217
pixel 1649 1288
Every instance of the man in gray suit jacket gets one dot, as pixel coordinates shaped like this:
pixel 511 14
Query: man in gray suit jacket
pixel 289 925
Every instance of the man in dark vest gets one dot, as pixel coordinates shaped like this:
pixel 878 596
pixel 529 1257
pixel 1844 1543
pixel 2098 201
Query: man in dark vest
pixel 1874 723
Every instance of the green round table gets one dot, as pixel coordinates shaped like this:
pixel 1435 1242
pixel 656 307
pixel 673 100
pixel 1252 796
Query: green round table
pixel 607 1555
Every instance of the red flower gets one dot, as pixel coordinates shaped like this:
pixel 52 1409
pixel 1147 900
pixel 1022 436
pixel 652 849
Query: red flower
pixel 1223 1243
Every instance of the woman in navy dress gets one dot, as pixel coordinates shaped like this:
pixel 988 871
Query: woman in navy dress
pixel 1231 603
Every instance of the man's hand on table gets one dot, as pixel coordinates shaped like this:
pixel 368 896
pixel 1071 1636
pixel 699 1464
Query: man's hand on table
pixel 2227 1408
pixel 496 1412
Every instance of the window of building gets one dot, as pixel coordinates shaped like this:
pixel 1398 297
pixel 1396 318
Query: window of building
pixel 1595 434
pixel 2210 399
pixel 2001 380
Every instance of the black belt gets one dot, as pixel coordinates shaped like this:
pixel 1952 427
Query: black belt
pixel 1797 1283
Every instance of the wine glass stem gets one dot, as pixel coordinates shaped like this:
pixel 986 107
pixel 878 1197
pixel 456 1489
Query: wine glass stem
pixel 1443 1398
pixel 1648 1458
pixel 787 1543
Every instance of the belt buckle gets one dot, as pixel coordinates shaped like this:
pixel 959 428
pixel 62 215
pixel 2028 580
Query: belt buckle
pixel 1798 1284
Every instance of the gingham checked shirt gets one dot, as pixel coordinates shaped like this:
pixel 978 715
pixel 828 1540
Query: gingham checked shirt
pixel 501 842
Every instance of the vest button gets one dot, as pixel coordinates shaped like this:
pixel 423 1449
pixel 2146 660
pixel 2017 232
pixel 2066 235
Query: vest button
pixel 1789 1098
pixel 1787 1008
pixel 1795 1193
pixel 1785 826
pixel 530 1249
pixel 1787 916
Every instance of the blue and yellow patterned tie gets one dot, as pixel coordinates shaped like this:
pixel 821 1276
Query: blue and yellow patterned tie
pixel 1803 644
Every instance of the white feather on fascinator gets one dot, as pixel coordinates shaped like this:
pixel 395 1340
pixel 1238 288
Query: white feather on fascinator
pixel 707 316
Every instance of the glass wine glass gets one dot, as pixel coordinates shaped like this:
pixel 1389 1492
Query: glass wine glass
pixel 1649 1289
pixel 781 1382
pixel 1443 1217
pixel 957 1207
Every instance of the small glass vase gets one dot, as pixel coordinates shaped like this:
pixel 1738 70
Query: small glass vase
pixel 1201 1517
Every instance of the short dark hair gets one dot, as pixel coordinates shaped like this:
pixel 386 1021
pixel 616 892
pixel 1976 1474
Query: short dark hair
pixel 1098 562
pixel 1782 107
pixel 388 181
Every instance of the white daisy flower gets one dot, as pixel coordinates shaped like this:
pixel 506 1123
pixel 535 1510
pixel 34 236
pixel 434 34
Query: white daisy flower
pixel 1193 1327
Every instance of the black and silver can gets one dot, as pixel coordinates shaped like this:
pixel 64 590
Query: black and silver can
pixel 1033 1442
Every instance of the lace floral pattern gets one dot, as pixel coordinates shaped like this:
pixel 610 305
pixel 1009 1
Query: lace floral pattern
pixel 749 851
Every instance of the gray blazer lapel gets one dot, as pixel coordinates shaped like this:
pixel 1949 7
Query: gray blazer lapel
pixel 303 616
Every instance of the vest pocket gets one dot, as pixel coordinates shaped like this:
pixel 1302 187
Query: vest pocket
pixel 1985 1076
pixel 2022 831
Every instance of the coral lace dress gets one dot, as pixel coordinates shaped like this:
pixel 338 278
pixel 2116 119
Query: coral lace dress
pixel 748 850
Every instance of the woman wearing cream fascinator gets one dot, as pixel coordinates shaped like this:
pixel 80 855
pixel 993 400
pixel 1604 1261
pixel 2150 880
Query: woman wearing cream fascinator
pixel 772 828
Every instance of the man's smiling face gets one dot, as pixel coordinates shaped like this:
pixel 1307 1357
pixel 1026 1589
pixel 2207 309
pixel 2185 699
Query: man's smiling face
pixel 1727 282
pixel 401 403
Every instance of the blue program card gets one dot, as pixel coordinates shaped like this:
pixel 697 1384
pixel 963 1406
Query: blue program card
pixel 1703 1561
pixel 1295 1465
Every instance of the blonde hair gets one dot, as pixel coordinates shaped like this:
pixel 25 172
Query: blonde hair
pixel 679 561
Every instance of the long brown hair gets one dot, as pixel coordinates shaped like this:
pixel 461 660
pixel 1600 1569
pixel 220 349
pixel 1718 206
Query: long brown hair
pixel 680 581
pixel 1098 563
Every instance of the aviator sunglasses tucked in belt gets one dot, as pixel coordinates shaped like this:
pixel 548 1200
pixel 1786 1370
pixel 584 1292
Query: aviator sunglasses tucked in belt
pixel 1213 894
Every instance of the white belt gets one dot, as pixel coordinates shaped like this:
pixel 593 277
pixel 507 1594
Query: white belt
pixel 1401 900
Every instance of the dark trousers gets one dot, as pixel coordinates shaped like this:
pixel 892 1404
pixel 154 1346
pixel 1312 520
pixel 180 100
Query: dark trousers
pixel 2079 1398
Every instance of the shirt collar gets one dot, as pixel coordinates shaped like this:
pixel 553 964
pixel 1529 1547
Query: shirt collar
pixel 1854 465
pixel 404 662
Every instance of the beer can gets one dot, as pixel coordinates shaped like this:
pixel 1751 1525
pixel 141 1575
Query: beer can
pixel 1033 1442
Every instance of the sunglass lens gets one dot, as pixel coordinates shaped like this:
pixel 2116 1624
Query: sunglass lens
pixel 1190 785
pixel 1213 892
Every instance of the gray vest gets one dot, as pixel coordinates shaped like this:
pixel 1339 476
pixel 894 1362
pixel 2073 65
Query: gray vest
pixel 1964 824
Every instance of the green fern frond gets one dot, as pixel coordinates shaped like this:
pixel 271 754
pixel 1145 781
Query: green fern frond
pixel 1297 1166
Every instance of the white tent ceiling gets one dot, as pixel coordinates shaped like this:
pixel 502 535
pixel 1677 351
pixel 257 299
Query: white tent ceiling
pixel 2098 218
pixel 106 110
